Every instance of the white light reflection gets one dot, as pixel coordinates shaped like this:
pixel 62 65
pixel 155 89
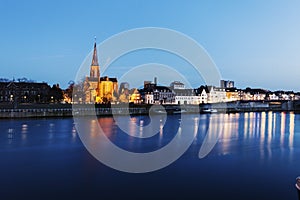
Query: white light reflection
pixel 282 129
pixel 24 131
pixel 262 133
pixel 228 133
pixel 74 136
pixel 257 124
pixel 251 125
pixel 214 133
pixel 274 123
pixel 270 120
pixel 141 127
pixel 161 126
pixel 51 130
pixel 10 135
pixel 161 131
pixel 263 126
pixel 246 118
pixel 24 128
pixel 196 125
pixel 291 130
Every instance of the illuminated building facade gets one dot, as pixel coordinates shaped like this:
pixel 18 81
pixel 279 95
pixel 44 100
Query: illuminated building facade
pixel 108 88
pixel 135 97
pixel 216 94
pixel 232 94
pixel 99 89
pixel 184 96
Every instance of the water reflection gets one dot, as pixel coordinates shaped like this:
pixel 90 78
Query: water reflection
pixel 261 132
pixel 196 126
pixel 291 130
pixel 243 135
pixel 230 132
pixel 10 135
pixel 24 128
pixel 257 131
pixel 51 132
pixel 74 134
pixel 161 132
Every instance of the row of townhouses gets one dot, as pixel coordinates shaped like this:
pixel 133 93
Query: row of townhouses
pixel 151 93
pixel 176 93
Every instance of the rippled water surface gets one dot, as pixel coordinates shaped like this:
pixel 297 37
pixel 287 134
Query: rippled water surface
pixel 257 156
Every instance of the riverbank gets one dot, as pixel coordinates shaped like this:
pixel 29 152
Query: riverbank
pixel 9 111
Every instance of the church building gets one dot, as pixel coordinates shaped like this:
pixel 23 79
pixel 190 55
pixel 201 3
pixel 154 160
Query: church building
pixel 99 89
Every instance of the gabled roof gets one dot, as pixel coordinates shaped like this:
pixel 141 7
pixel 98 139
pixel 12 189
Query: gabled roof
pixel 201 88
pixel 11 85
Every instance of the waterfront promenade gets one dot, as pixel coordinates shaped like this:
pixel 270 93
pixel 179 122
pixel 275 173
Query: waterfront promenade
pixel 67 110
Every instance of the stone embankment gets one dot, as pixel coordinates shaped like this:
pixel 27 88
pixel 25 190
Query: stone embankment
pixel 10 111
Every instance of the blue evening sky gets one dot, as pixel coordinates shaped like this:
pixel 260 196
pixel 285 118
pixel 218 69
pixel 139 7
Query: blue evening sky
pixel 255 43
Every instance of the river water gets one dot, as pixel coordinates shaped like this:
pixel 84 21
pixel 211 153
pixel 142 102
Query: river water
pixel 257 156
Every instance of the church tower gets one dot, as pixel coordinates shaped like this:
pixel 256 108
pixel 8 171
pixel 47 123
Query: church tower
pixel 99 89
pixel 95 69
pixel 92 82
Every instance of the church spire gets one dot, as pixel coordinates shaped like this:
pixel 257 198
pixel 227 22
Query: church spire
pixel 95 57
pixel 95 69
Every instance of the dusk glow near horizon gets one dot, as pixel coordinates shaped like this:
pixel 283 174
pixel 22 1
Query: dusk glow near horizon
pixel 254 43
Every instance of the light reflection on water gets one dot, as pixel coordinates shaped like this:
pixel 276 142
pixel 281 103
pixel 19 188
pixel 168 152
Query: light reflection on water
pixel 29 133
pixel 291 129
pixel 264 132
pixel 264 144
pixel 261 131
